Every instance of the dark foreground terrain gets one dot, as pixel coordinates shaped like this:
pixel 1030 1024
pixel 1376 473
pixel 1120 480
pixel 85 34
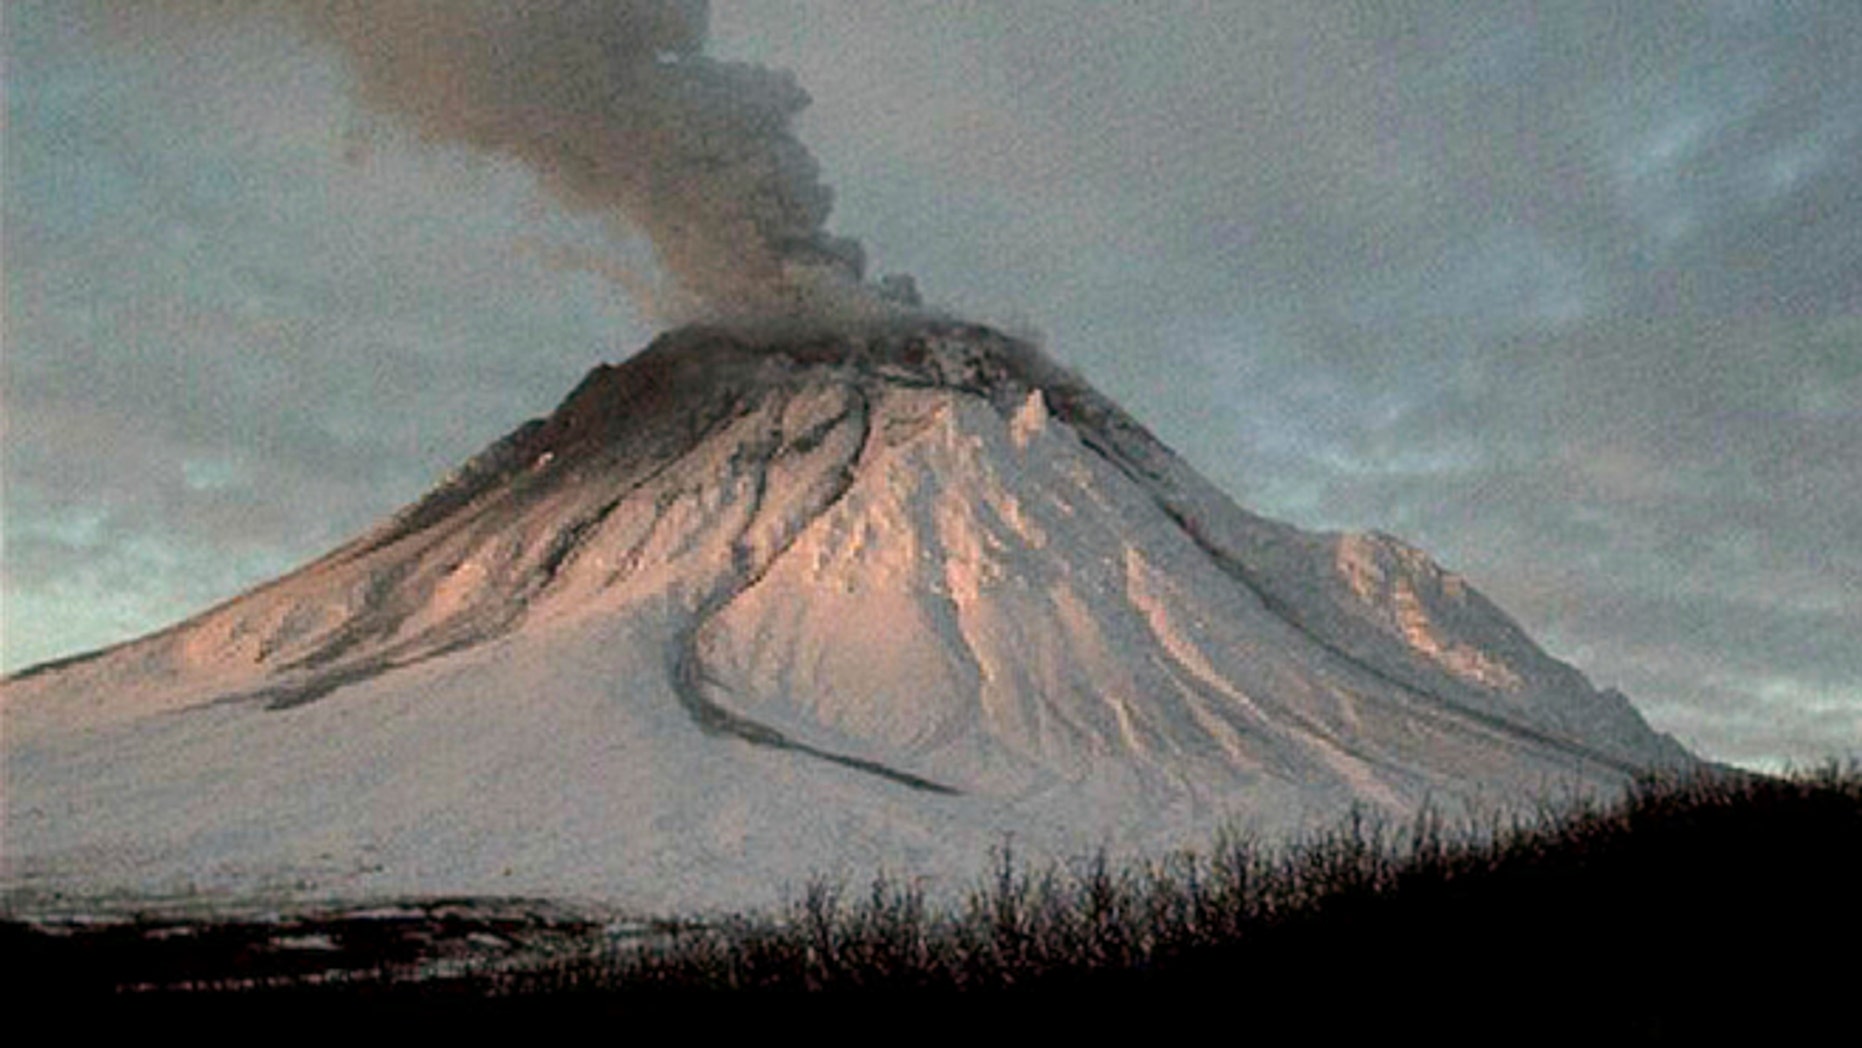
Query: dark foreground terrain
pixel 1717 906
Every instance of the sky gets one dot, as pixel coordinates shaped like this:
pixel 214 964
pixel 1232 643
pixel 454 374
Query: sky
pixel 1568 294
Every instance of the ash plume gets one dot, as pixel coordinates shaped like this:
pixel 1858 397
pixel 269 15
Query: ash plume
pixel 615 107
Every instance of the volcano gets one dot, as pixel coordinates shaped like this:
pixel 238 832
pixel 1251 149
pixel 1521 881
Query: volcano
pixel 742 611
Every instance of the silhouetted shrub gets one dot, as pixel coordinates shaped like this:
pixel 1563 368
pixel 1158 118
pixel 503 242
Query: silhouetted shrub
pixel 1694 906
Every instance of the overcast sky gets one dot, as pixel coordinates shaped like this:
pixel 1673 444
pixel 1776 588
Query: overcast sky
pixel 1568 294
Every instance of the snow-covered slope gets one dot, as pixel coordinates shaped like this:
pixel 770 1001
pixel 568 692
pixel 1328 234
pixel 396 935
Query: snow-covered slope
pixel 738 613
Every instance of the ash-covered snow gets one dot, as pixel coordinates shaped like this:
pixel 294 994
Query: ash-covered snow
pixel 737 614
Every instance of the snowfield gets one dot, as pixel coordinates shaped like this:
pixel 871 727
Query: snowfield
pixel 738 614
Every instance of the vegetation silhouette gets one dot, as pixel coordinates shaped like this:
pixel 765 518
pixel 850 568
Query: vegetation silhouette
pixel 1698 906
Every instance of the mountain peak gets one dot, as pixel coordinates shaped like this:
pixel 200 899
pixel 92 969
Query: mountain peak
pixel 746 608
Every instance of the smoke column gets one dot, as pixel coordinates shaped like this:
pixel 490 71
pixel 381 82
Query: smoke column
pixel 614 106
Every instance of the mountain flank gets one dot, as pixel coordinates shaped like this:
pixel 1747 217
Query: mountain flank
pixel 745 609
